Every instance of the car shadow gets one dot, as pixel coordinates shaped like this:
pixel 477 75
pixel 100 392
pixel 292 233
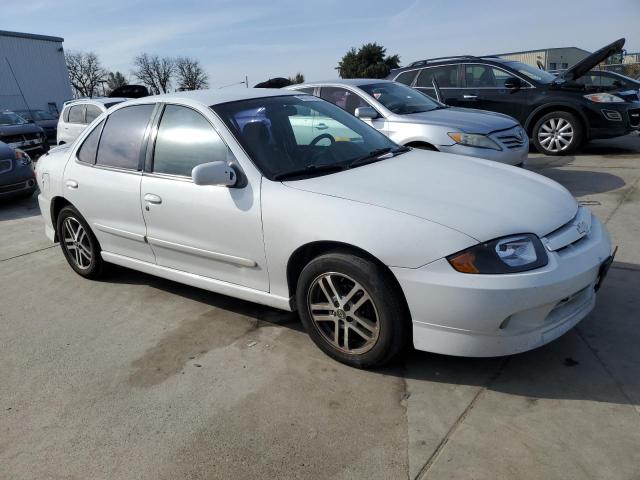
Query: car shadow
pixel 595 361
pixel 17 208
pixel 584 182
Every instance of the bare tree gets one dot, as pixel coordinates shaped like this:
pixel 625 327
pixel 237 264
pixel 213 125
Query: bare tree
pixel 191 75
pixel 85 72
pixel 155 72
pixel 297 78
pixel 116 80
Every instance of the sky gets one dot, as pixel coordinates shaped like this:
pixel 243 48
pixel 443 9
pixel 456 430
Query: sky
pixel 264 39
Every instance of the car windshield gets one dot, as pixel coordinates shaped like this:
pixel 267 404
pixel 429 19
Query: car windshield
pixel 10 118
pixel 400 99
pixel 532 72
pixel 297 136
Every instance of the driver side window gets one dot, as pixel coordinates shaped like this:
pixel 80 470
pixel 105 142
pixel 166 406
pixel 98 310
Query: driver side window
pixel 343 98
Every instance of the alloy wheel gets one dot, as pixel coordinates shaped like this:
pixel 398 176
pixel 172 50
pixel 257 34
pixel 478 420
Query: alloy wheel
pixel 343 313
pixel 77 243
pixel 555 135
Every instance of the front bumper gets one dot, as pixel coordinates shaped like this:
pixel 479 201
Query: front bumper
pixel 492 315
pixel 17 189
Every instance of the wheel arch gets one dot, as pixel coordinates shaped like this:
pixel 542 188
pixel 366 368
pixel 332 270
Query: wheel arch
pixel 57 204
pixel 307 252
pixel 556 107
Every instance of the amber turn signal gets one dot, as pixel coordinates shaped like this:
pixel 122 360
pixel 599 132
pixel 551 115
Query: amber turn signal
pixel 465 262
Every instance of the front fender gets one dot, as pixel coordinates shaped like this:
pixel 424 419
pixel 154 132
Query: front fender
pixel 293 218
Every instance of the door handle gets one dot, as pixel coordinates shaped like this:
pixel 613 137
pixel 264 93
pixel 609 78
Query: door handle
pixel 322 126
pixel 469 97
pixel 71 184
pixel 152 198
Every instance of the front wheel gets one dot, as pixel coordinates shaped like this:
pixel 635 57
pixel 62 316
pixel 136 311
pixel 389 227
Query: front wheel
pixel 79 245
pixel 558 133
pixel 352 310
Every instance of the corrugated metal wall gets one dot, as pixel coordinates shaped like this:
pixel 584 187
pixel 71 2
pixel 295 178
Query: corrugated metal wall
pixel 40 69
pixel 530 58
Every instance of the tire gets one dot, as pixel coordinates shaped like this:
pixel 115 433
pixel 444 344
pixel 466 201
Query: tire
pixel 79 245
pixel 369 336
pixel 558 133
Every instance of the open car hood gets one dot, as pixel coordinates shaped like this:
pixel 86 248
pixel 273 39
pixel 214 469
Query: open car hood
pixel 586 64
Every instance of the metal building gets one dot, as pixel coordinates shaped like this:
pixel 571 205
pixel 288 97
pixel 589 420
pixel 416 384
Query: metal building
pixel 551 58
pixel 33 72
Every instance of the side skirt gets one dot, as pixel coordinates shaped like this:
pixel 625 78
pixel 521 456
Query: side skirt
pixel 213 285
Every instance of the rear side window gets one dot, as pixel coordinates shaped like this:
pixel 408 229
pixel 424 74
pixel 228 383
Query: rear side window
pixel 185 140
pixel 407 77
pixel 446 76
pixel 93 112
pixel 122 137
pixel 88 150
pixel 76 114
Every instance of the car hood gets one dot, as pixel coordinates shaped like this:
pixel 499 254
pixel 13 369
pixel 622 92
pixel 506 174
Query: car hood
pixel 465 119
pixel 480 198
pixel 586 64
pixel 18 129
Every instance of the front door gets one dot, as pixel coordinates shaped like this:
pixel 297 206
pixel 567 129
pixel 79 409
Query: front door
pixel 349 101
pixel 103 181
pixel 484 89
pixel 212 231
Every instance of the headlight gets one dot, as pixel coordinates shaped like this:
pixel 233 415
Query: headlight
pixel 603 98
pixel 516 253
pixel 23 158
pixel 473 140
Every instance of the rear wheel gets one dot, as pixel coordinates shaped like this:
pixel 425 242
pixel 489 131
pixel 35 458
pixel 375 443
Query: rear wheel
pixel 558 133
pixel 351 309
pixel 79 245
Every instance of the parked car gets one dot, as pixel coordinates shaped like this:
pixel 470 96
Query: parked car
pixel 371 242
pixel 413 119
pixel 45 120
pixel 77 114
pixel 17 132
pixel 557 112
pixel 17 178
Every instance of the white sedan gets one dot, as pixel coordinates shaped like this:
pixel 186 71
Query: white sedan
pixel 374 244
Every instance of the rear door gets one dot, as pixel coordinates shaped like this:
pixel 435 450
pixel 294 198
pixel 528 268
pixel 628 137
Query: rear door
pixel 483 88
pixel 103 181
pixel 448 78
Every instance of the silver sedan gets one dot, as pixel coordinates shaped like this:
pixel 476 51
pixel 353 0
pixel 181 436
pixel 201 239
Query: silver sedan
pixel 414 119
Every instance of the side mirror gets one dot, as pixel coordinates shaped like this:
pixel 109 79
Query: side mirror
pixel 513 83
pixel 214 173
pixel 366 112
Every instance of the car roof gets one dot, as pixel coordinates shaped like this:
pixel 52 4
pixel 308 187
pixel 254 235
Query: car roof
pixel 214 97
pixel 353 82
pixel 101 100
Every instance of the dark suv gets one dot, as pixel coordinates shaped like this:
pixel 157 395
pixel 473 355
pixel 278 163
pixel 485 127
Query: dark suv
pixel 558 112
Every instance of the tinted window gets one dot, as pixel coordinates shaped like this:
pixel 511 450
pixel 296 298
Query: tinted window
pixel 343 98
pixel 76 114
pixel 400 99
pixel 87 152
pixel 479 76
pixel 446 76
pixel 185 140
pixel 122 137
pixel 532 72
pixel 93 112
pixel 407 77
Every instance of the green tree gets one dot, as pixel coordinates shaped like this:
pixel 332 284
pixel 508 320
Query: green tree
pixel 297 78
pixel 116 80
pixel 369 61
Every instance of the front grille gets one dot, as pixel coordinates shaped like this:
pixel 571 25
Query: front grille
pixel 570 234
pixel 634 117
pixel 6 165
pixel 512 139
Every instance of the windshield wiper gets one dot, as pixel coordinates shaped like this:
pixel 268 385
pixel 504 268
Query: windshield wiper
pixel 377 155
pixel 310 170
